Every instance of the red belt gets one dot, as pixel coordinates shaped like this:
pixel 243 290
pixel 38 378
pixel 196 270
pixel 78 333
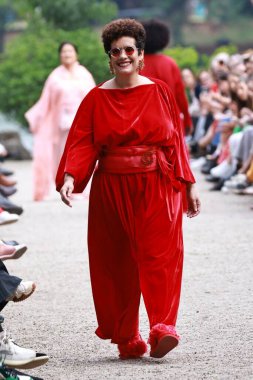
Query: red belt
pixel 141 159
pixel 137 159
pixel 124 160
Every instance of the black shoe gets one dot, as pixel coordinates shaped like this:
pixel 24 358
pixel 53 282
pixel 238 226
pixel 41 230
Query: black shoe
pixel 218 185
pixel 7 191
pixel 193 147
pixel 211 178
pixel 208 165
pixel 7 205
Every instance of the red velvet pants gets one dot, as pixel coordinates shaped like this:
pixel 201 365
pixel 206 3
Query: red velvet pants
pixel 135 247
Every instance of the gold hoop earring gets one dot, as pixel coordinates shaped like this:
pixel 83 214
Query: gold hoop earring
pixel 111 68
pixel 141 65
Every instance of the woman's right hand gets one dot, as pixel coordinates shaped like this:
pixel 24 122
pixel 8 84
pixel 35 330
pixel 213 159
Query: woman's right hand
pixel 67 189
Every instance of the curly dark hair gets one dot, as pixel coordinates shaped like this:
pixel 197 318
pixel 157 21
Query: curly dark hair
pixel 123 28
pixel 157 35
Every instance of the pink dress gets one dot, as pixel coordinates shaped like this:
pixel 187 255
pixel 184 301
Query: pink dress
pixel 50 120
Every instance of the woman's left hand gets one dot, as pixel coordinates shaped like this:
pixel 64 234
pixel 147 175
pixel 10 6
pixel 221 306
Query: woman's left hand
pixel 193 201
pixel 67 189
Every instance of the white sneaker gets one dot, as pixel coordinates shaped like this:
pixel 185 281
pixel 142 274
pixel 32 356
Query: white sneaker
pixel 12 353
pixel 223 170
pixel 15 356
pixel 24 290
pixel 248 190
pixel 7 218
pixel 239 177
pixel 225 190
pixel 196 163
pixel 234 184
pixel 235 179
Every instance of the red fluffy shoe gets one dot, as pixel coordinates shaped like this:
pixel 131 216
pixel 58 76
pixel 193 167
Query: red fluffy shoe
pixel 133 349
pixel 162 339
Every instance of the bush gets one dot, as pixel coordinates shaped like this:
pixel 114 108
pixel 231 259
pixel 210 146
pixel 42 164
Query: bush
pixel 190 58
pixel 30 58
pixel 230 49
pixel 184 56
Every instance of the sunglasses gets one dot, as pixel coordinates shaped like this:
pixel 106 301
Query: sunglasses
pixel 116 52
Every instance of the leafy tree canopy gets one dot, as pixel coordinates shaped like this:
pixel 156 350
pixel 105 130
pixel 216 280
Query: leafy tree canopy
pixel 66 14
pixel 75 14
pixel 21 7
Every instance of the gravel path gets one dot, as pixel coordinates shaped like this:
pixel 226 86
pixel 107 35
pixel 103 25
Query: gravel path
pixel 215 320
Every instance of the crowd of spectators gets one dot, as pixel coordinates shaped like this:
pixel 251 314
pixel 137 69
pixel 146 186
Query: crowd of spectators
pixel 221 107
pixel 12 288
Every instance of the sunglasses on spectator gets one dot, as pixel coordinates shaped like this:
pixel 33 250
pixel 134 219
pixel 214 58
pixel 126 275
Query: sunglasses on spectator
pixel 116 52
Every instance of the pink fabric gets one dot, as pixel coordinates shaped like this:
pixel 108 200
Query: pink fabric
pixel 58 104
pixel 225 153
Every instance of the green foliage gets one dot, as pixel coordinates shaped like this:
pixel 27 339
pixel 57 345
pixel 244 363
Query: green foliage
pixel 21 7
pixel 230 49
pixel 190 58
pixel 75 14
pixel 185 57
pixel 65 14
pixel 30 58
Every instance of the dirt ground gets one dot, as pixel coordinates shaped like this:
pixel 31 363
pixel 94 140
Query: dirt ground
pixel 216 313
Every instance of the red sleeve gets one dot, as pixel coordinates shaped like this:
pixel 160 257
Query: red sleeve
pixel 80 155
pixel 178 155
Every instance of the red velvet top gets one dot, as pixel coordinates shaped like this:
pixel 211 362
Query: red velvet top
pixel 162 67
pixel 143 115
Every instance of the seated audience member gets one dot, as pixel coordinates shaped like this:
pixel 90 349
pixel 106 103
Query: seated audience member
pixel 193 102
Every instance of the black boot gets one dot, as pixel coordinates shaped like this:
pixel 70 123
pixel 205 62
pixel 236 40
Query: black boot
pixel 218 185
pixel 208 165
pixel 7 205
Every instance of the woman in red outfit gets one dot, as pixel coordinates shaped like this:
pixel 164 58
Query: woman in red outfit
pixel 130 125
pixel 160 66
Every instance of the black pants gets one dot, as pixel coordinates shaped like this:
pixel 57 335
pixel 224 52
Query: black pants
pixel 8 285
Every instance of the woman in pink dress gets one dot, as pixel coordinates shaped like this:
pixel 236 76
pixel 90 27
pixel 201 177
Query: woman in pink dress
pixel 51 117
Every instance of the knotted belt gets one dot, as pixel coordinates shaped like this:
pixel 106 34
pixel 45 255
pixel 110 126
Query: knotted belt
pixel 137 159
pixel 141 159
pixel 124 160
